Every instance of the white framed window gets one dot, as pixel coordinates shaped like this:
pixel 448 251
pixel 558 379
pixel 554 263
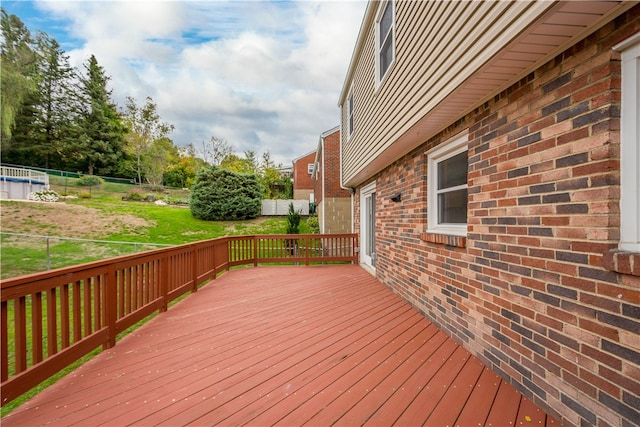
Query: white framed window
pixel 385 35
pixel 350 114
pixel 447 189
pixel 630 145
pixel 310 168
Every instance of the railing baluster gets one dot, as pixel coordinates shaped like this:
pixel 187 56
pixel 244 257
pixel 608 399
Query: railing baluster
pixel 110 293
pixel 20 323
pixel 77 312
pixel 36 327
pixel 64 316
pixel 97 302
pixel 88 327
pixel 52 322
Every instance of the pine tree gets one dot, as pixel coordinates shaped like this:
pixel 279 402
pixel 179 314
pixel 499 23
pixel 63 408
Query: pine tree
pixel 100 130
pixel 57 99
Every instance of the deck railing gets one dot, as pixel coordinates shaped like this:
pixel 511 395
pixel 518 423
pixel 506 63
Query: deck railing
pixel 51 319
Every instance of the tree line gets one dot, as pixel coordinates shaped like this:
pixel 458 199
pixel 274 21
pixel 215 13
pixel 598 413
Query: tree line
pixel 58 117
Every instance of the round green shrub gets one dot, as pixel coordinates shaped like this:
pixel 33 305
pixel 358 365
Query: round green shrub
pixel 313 224
pixel 220 194
pixel 90 181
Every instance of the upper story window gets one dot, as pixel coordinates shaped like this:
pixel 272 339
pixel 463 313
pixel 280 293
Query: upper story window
pixel 447 193
pixel 310 168
pixel 384 39
pixel 350 114
pixel 630 145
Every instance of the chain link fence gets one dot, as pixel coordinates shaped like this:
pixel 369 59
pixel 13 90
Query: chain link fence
pixel 22 253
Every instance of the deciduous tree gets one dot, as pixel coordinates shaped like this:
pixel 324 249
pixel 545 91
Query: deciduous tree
pixel 17 71
pixel 145 127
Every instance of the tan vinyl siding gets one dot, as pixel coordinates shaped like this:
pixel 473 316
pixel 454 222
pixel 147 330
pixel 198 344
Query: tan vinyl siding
pixel 431 62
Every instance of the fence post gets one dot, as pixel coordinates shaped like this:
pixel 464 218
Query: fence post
pixel 164 282
pixel 111 305
pixel 48 255
pixel 194 266
pixel 307 245
pixel 255 250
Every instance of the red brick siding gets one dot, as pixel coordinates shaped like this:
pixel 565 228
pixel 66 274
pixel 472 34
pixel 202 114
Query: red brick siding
pixel 317 185
pixel 331 167
pixel 301 178
pixel 532 291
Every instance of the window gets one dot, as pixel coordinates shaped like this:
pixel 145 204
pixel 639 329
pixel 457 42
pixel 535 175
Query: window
pixel 448 166
pixel 384 40
pixel 350 114
pixel 310 168
pixel 630 145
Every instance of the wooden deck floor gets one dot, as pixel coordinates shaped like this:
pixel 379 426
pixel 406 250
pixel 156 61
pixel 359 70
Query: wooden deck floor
pixel 319 345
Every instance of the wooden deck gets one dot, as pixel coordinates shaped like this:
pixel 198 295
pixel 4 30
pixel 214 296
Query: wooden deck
pixel 318 345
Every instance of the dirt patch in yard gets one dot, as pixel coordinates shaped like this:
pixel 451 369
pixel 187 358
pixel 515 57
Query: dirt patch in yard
pixel 63 220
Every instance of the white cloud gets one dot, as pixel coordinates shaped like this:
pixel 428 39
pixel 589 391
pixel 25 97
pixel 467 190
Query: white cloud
pixel 263 75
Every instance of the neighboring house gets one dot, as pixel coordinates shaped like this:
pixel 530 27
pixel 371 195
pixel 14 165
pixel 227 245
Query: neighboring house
pixel 333 202
pixel 494 151
pixel 302 180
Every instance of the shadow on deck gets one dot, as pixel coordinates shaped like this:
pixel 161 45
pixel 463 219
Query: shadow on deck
pixel 317 345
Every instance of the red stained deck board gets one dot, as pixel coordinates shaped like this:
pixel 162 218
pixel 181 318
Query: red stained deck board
pixel 477 407
pixel 225 393
pixel 283 345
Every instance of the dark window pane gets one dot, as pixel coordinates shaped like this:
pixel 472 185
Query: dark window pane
pixel 350 113
pixel 453 171
pixel 452 207
pixel 386 21
pixel 386 56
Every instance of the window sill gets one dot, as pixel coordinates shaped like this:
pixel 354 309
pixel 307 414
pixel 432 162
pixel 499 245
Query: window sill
pixel 444 239
pixel 622 262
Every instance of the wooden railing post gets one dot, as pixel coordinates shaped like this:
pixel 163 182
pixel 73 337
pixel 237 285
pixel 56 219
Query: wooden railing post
pixel 110 295
pixel 194 267
pixel 307 245
pixel 255 250
pixel 164 282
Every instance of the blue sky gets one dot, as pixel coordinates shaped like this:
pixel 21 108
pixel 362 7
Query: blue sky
pixel 263 75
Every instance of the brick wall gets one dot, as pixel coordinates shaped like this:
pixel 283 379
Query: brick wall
pixel 336 214
pixel 333 201
pixel 534 289
pixel 301 178
pixel 331 169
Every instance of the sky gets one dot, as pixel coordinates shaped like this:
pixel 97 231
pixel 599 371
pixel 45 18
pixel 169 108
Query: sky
pixel 262 75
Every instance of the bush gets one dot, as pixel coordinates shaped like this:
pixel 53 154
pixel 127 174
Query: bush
pixel 43 196
pixel 134 195
pixel 90 181
pixel 293 220
pixel 84 194
pixel 220 194
pixel 313 224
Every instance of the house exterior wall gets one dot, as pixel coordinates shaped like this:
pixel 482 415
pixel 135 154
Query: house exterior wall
pixel 532 289
pixel 445 29
pixel 336 215
pixel 333 202
pixel 302 182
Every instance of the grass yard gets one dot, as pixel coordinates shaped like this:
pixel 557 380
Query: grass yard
pixel 105 216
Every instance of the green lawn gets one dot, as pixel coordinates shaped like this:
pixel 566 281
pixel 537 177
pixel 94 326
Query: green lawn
pixel 171 224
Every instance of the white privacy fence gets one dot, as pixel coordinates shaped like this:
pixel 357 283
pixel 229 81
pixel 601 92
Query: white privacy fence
pixel 281 207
